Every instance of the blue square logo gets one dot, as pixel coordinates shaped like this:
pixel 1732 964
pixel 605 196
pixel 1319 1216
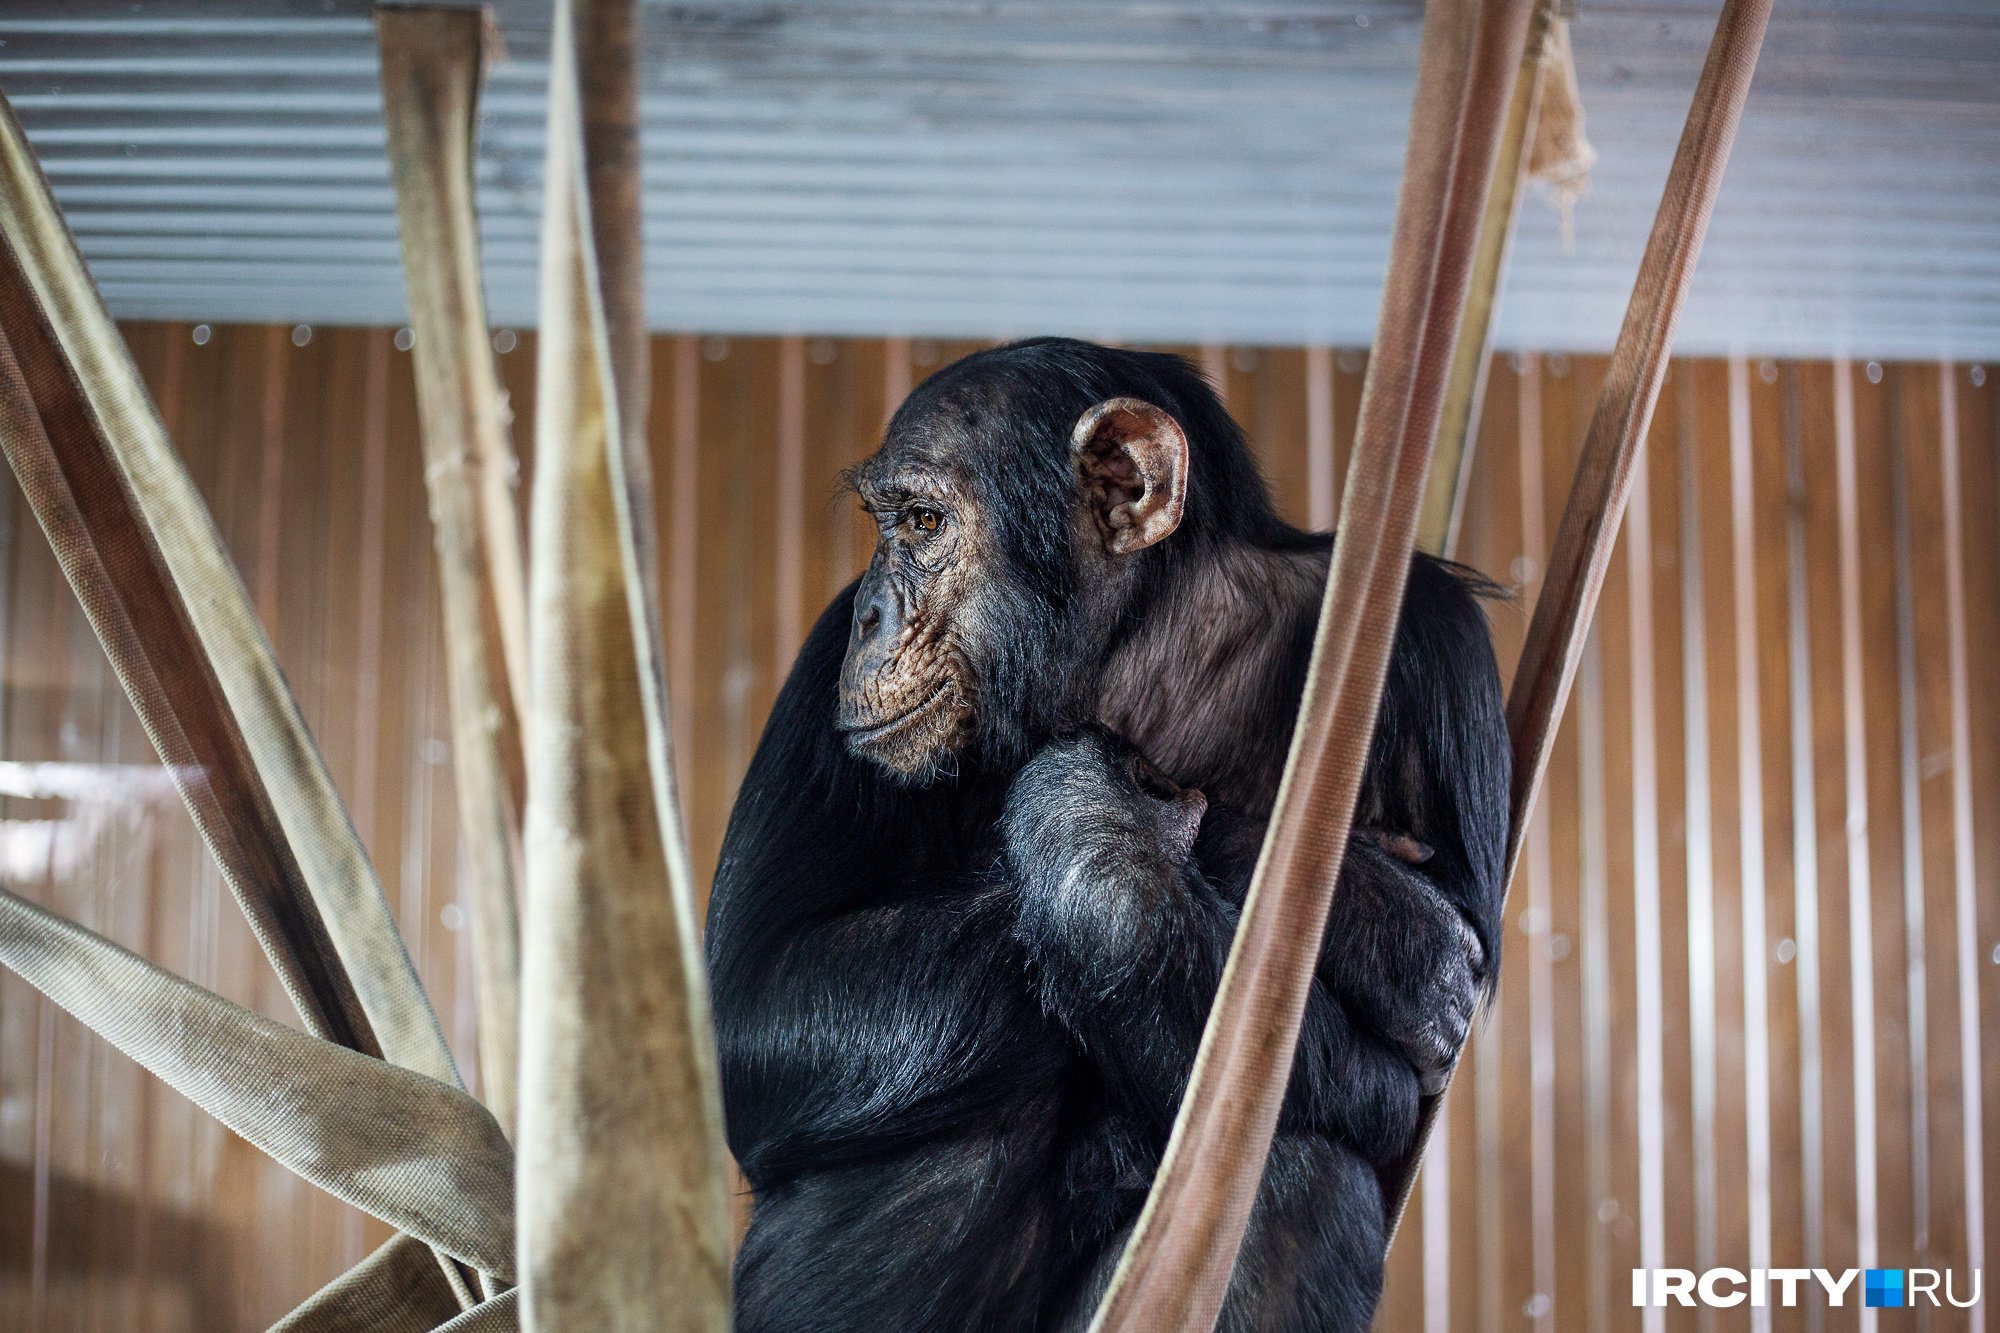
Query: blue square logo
pixel 1882 1287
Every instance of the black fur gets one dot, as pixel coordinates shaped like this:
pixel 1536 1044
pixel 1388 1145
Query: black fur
pixel 955 1018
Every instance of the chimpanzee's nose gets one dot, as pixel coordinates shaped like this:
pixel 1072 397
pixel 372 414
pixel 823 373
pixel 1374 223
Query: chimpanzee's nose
pixel 874 638
pixel 877 618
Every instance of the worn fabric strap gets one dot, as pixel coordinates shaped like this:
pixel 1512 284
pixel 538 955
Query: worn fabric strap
pixel 194 660
pixel 430 90
pixel 502 1314
pixel 624 1216
pixel 141 621
pixel 1465 388
pixel 1175 1271
pixel 1603 483
pixel 397 1289
pixel 419 1154
pixel 1596 506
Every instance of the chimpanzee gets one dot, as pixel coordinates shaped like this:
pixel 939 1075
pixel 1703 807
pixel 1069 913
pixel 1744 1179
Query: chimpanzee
pixel 977 890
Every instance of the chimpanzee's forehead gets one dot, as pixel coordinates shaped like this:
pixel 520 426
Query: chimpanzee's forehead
pixel 951 436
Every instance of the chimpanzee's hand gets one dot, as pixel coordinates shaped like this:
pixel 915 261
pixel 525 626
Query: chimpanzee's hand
pixel 1099 846
pixel 1400 956
pixel 1090 801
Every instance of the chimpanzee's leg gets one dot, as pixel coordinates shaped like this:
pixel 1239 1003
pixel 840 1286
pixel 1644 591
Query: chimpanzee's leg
pixel 1311 1260
pixel 1312 1255
pixel 942 1238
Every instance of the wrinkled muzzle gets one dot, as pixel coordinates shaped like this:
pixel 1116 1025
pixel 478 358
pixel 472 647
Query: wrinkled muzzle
pixel 901 704
pixel 873 637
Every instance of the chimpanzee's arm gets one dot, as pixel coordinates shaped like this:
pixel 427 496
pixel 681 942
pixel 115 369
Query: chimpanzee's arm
pixel 1126 939
pixel 1129 936
pixel 1431 829
pixel 866 993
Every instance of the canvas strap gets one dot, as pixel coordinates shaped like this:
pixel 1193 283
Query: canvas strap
pixel 1176 1268
pixel 1596 506
pixel 419 1154
pixel 139 547
pixel 397 1289
pixel 431 62
pixel 623 1201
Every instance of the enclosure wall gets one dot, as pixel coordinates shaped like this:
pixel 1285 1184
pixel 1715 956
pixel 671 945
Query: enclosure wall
pixel 123 1208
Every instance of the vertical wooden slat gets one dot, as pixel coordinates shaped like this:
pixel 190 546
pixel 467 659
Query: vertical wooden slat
pixel 270 471
pixel 1699 835
pixel 1215 367
pixel 1979 462
pixel 1536 870
pixel 1568 400
pixel 1490 1052
pixel 1911 823
pixel 1668 816
pixel 1611 941
pixel 895 375
pixel 1876 421
pixel 1505 1071
pixel 1595 949
pixel 1656 763
pixel 1805 848
pixel 684 544
pixel 1930 818
pixel 1463 1215
pixel 1320 504
pixel 823 511
pixel 1475 1130
pixel 1964 881
pixel 717 617
pixel 1434 1204
pixel 1824 711
pixel 1861 963
pixel 1499 1258
pixel 1718 684
pixel 45 1079
pixel 1778 949
pixel 1278 420
pixel 750 447
pixel 1771 1119
pixel 789 507
pixel 370 580
pixel 1750 825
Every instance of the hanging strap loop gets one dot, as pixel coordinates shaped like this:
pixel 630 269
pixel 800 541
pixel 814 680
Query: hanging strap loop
pixel 1596 506
pixel 1175 1271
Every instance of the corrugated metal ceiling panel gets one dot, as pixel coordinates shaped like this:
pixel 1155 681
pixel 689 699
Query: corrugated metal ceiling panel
pixel 1149 171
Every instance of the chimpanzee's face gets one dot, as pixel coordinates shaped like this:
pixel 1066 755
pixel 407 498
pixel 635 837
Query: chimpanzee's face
pixel 909 680
pixel 941 613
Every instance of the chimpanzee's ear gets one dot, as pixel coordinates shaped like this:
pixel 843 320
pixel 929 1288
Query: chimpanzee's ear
pixel 1132 460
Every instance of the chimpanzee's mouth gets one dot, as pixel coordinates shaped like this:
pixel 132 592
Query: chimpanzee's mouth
pixel 875 731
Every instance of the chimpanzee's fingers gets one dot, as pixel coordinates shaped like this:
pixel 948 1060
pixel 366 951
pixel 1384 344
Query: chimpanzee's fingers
pixel 1433 1029
pixel 1432 1043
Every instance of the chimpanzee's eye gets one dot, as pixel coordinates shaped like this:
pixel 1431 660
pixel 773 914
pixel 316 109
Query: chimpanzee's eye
pixel 926 519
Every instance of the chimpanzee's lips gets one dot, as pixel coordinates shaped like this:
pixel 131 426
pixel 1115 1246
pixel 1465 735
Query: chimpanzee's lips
pixel 870 731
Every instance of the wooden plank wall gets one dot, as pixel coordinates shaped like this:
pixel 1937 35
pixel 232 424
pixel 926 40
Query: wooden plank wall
pixel 122 1207
pixel 1780 736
